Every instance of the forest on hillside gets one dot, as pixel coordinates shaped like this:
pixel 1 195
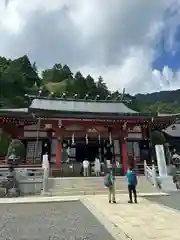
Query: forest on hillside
pixel 20 77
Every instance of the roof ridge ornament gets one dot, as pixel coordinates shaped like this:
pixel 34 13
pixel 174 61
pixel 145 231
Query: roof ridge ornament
pixel 97 97
pixel 86 96
pixel 75 96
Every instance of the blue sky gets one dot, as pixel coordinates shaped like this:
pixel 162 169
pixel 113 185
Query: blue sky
pixel 168 56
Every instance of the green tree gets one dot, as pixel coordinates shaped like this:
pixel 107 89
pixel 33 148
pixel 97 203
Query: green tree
pixel 158 138
pixel 17 148
pixel 91 86
pixel 19 76
pixel 102 88
pixel 4 143
pixel 80 85
pixel 16 78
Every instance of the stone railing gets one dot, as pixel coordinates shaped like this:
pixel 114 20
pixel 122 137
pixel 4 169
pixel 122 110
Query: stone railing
pixel 164 182
pixel 30 179
pixel 150 173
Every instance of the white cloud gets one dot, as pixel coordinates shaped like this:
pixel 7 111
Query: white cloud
pixel 114 39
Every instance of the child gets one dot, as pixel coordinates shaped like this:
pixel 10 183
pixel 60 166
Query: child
pixel 110 184
pixel 132 183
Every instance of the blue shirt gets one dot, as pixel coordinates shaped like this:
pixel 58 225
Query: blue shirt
pixel 132 178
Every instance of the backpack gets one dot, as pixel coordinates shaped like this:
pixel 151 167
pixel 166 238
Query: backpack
pixel 107 181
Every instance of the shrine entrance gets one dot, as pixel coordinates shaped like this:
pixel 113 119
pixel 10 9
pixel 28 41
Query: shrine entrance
pixel 88 152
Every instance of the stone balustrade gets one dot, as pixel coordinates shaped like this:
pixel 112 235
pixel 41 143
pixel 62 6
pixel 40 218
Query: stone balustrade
pixel 30 179
pixel 150 173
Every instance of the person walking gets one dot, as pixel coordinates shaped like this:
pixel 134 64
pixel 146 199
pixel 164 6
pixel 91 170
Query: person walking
pixel 132 183
pixel 97 166
pixel 86 167
pixel 110 184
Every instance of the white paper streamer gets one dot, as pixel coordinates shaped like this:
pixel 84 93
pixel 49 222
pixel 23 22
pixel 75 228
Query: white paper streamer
pixel 86 138
pixel 99 138
pixel 73 138
pixel 110 138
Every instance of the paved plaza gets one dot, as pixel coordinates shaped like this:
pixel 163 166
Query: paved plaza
pixel 50 221
pixel 90 217
pixel 144 221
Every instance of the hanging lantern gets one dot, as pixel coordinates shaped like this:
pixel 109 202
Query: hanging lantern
pixel 73 140
pixel 86 138
pixel 99 138
pixel 110 138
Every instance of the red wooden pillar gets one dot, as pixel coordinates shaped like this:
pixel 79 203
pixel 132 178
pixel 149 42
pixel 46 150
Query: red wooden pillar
pixel 58 153
pixel 145 132
pixel 58 133
pixel 20 133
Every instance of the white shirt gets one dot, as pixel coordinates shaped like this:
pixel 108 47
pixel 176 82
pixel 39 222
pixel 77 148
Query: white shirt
pixel 85 164
pixel 45 162
pixel 97 164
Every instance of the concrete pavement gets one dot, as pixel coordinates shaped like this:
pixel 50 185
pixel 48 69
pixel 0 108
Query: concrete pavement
pixel 145 220
pixel 50 221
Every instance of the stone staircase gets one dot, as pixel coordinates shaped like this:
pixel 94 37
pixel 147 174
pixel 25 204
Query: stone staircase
pixel 94 186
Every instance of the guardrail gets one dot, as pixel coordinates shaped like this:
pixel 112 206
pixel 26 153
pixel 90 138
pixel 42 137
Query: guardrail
pixel 151 173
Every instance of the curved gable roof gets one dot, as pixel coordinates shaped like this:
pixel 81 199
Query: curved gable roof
pixel 81 106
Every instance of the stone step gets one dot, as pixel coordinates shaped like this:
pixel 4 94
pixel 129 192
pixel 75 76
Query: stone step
pixel 74 185
pixel 100 188
pixel 93 186
pixel 90 186
pixel 87 192
pixel 89 180
pixel 100 185
pixel 96 192
pixel 139 189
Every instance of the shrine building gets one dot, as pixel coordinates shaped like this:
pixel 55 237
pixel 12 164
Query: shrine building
pixel 70 130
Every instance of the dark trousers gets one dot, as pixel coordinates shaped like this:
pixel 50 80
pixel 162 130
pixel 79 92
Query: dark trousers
pixel 132 189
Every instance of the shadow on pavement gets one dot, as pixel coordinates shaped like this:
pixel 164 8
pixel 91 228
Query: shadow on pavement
pixel 172 201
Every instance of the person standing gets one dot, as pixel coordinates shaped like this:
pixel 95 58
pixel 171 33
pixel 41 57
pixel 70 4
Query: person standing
pixel 86 167
pixel 132 183
pixel 97 166
pixel 110 184
pixel 45 167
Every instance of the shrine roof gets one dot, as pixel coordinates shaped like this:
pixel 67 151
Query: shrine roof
pixel 81 107
pixel 168 115
pixel 13 111
pixel 173 130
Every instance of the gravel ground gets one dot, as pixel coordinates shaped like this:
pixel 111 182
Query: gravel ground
pixel 172 201
pixel 50 221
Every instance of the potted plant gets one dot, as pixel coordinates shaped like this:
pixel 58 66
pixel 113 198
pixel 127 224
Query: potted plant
pixel 16 152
